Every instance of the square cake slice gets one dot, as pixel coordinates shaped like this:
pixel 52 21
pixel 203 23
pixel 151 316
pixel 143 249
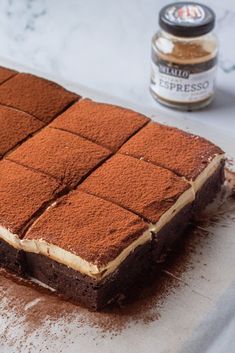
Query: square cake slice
pixel 105 124
pixel 36 96
pixel 156 194
pixel 15 126
pixel 192 157
pixel 5 74
pixel 60 154
pixel 89 249
pixel 22 194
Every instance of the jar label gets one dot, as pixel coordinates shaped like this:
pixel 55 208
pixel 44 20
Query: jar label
pixel 183 83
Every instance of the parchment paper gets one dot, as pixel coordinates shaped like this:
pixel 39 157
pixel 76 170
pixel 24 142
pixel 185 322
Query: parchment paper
pixel 196 314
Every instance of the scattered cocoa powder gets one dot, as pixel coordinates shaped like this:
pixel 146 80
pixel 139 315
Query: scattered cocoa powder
pixel 33 312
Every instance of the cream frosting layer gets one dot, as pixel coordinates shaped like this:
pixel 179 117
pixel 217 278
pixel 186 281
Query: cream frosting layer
pixel 75 262
pixel 10 237
pixel 207 172
pixel 40 246
pixel 186 198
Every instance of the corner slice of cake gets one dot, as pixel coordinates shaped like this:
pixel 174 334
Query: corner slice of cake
pixel 196 159
pixel 105 124
pixel 88 249
pixel 6 73
pixel 15 127
pixel 23 193
pixel 36 96
pixel 156 194
pixel 60 154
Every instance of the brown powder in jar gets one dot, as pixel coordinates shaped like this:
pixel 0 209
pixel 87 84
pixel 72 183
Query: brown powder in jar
pixel 184 57
pixel 188 53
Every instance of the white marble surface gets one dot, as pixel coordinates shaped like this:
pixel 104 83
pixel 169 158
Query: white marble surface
pixel 105 45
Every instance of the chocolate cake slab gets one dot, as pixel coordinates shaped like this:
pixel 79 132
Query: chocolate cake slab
pixel 87 239
pixel 209 190
pixel 154 193
pixel 170 234
pixel 23 193
pixel 130 278
pixel 105 124
pixel 102 240
pixel 187 155
pixel 15 127
pixel 12 259
pixel 60 154
pixel 36 96
pixel 6 73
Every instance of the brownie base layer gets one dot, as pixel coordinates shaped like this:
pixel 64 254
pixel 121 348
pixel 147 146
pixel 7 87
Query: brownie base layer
pixel 173 231
pixel 209 190
pixel 83 289
pixel 166 238
pixel 12 259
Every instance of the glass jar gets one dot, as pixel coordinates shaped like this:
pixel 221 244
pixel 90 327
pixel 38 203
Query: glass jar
pixel 184 57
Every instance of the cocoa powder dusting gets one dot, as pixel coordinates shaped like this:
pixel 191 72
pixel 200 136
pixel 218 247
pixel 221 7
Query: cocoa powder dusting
pixel 39 97
pixel 136 185
pixel 115 228
pixel 5 74
pixel 32 312
pixel 105 124
pixel 185 154
pixel 23 192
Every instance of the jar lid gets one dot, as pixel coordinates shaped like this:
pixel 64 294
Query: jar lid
pixel 187 19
